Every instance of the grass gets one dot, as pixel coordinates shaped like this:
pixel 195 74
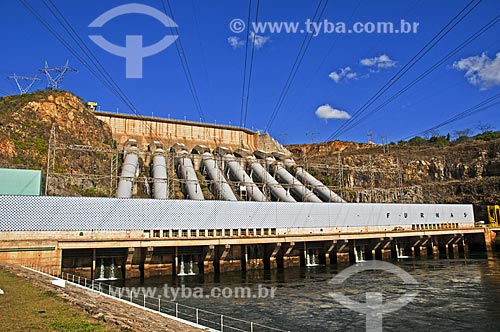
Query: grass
pixel 24 307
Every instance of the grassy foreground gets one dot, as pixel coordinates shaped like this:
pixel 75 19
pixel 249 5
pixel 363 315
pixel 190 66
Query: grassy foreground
pixel 24 307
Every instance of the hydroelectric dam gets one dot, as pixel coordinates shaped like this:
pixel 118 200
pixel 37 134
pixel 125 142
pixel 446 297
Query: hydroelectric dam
pixel 203 198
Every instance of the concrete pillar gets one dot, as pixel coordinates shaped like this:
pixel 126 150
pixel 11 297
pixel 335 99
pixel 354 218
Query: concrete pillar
pixel 146 270
pixel 289 258
pixel 92 267
pixel 270 261
pixel 342 253
pixel 463 249
pixel 228 261
pixel 208 259
pixel 423 247
pixel 131 270
pixel 454 251
pixel 329 247
pixel 255 257
pixel 383 251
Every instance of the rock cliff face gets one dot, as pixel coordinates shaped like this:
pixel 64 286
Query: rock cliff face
pixel 425 173
pixel 25 127
pixel 462 173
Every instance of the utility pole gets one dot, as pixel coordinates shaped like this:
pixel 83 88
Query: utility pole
pixel 31 81
pixel 50 161
pixel 311 136
pixel 369 136
pixel 385 143
pixel 54 83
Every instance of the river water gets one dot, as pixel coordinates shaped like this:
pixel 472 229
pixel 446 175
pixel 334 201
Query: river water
pixel 453 295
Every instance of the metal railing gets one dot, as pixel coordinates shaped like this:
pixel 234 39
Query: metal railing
pixel 171 309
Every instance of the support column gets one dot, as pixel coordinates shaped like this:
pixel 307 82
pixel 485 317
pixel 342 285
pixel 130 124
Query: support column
pixel 342 252
pixel 131 270
pixel 383 251
pixel 92 267
pixel 288 258
pixel 270 262
pixel 453 247
pixel 146 270
pixel 255 257
pixel 208 260
pixel 415 247
pixel 423 247
pixel 432 248
pixel 227 261
pixel 463 249
pixel 328 249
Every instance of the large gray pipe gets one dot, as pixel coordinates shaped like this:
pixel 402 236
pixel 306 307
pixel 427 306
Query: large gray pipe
pixel 277 190
pixel 160 175
pixel 318 188
pixel 127 176
pixel 191 184
pixel 221 187
pixel 297 187
pixel 242 177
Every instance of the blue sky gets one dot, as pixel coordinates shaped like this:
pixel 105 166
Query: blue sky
pixel 338 74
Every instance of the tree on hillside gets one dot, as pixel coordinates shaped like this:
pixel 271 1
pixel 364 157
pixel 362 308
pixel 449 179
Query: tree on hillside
pixel 462 133
pixel 484 127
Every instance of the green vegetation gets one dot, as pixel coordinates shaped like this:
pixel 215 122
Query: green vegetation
pixel 462 136
pixel 94 192
pixel 25 307
pixel 488 136
pixel 440 141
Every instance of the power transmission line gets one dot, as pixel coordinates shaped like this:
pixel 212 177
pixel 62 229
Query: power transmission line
pixel 414 60
pixel 437 64
pixel 75 54
pixel 482 106
pixel 251 66
pixel 298 60
pixel 245 65
pixel 98 70
pixel 184 61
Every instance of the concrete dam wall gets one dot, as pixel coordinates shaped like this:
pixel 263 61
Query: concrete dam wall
pixel 169 131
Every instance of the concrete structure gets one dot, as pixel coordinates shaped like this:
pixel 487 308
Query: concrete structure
pixel 128 238
pixel 147 237
pixel 147 129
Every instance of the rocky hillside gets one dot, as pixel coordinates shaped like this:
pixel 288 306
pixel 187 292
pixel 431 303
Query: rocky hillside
pixel 25 126
pixel 464 171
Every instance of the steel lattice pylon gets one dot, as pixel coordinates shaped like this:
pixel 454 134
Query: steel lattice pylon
pixel 17 78
pixel 55 82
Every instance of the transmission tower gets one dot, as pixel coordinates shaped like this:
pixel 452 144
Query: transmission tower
pixel 22 90
pixel 55 82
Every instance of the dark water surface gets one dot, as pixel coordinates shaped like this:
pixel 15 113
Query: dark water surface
pixel 453 295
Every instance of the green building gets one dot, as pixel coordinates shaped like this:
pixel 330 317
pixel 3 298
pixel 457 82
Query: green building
pixel 20 182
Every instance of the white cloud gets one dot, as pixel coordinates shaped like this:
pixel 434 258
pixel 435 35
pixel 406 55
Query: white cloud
pixel 237 42
pixel 379 62
pixel 480 70
pixel 343 74
pixel 327 112
pixel 259 40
